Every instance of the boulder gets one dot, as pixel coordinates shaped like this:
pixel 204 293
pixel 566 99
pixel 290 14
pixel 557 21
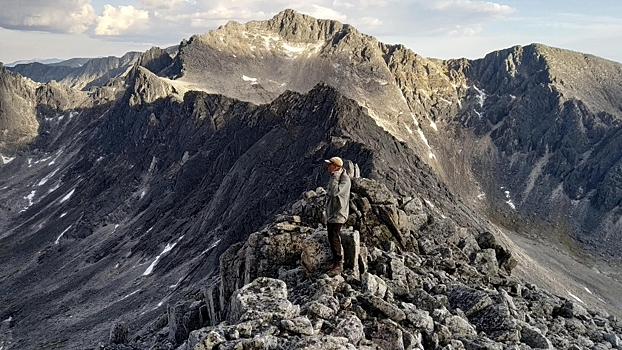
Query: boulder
pixel 316 253
pixel 460 327
pixel 298 325
pixel 388 309
pixel 419 319
pixel 377 192
pixel 388 335
pixel 350 327
pixel 351 242
pixel 265 299
pixel 205 339
pixel 533 337
pixel 467 299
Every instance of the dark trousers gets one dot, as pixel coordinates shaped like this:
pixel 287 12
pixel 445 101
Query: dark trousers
pixel 335 240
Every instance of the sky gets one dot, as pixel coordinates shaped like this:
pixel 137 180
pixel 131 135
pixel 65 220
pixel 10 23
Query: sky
pixel 63 29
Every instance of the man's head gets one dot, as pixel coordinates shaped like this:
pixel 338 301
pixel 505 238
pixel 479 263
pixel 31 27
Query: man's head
pixel 334 164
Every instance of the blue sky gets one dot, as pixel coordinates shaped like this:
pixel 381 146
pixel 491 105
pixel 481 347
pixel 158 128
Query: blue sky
pixel 433 28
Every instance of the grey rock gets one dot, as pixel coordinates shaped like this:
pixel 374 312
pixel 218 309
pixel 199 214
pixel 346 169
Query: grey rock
pixel 388 336
pixel 351 242
pixel 373 285
pixel 205 339
pixel 534 338
pixel 377 192
pixel 350 327
pixel 467 299
pixel 316 253
pixel 613 339
pixel 571 309
pixel 384 307
pixel 298 325
pixel 264 298
pixel 420 319
pixel 460 327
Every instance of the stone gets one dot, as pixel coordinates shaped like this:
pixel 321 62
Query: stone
pixel 460 327
pixel 298 325
pixel 373 285
pixel 323 343
pixel 351 242
pixel 388 336
pixel 533 337
pixel 320 310
pixel 497 322
pixel 316 253
pixel 467 299
pixel 571 309
pixel 265 298
pixel 422 300
pixel 613 339
pixel 384 307
pixel 205 339
pixel 377 192
pixel 119 334
pixel 413 207
pixel 420 319
pixel 350 327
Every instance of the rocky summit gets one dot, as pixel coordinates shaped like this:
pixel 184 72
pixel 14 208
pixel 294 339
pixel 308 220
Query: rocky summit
pixel 434 285
pixel 173 199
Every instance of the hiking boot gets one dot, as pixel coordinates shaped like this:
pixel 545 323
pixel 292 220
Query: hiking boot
pixel 335 268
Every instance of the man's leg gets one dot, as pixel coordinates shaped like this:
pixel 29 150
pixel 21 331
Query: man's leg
pixel 335 241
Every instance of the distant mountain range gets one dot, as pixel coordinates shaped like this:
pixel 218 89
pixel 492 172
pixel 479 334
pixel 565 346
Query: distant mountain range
pixel 109 162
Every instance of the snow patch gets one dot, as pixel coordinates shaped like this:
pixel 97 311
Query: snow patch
pixel 7 160
pixel 509 200
pixel 30 198
pixel 429 203
pixel 252 80
pixel 422 135
pixel 575 297
pixel 54 188
pixel 49 176
pixel 433 125
pixel 210 247
pixel 167 249
pixel 431 155
pixel 481 97
pixel 588 291
pixel 481 196
pixel 412 115
pixel 129 295
pixel 513 97
pixel 61 235
pixel 408 129
pixel 67 196
pixel 63 214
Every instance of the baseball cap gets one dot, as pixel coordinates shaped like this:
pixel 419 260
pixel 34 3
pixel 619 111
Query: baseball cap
pixel 335 160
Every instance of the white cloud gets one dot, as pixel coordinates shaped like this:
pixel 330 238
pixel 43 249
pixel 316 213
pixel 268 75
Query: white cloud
pixel 117 21
pixel 62 16
pixel 368 21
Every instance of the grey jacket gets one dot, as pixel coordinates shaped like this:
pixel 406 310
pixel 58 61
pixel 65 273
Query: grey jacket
pixel 338 201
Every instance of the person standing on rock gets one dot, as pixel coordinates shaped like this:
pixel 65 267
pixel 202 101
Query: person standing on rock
pixel 337 210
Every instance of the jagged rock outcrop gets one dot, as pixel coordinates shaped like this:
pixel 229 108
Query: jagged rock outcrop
pixel 265 299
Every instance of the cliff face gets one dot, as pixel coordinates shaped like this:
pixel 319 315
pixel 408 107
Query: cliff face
pixel 552 123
